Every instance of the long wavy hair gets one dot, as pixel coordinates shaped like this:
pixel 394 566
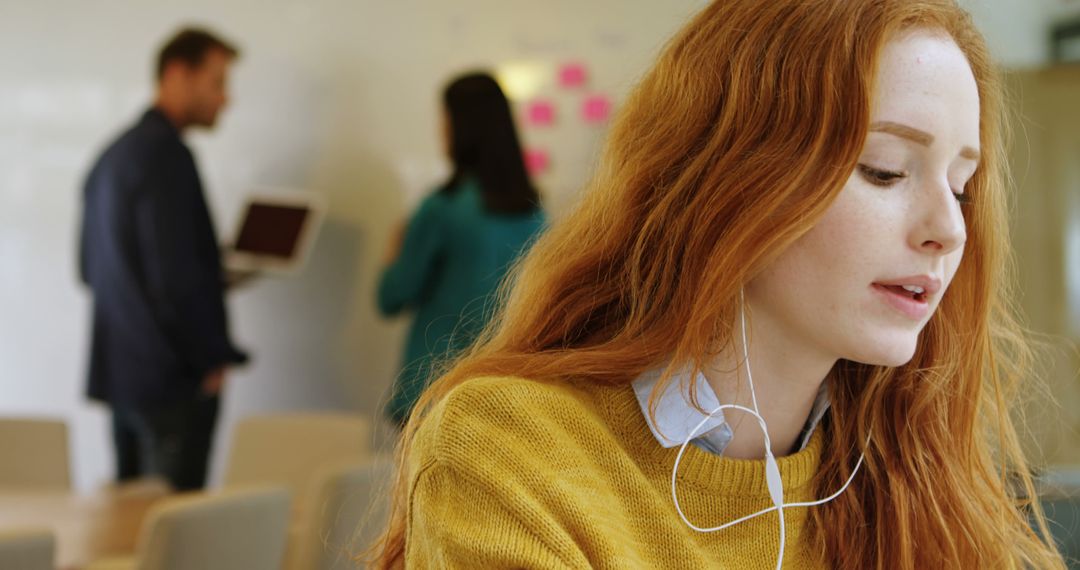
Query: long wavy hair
pixel 731 148
pixel 484 145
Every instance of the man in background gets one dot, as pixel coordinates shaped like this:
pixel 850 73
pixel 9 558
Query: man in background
pixel 160 344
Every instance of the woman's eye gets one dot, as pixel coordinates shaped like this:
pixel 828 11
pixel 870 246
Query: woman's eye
pixel 962 197
pixel 880 177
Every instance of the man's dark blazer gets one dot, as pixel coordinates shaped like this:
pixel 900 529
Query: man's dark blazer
pixel 150 255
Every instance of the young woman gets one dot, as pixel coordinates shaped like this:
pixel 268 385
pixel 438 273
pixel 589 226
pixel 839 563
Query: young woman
pixel 799 225
pixel 462 240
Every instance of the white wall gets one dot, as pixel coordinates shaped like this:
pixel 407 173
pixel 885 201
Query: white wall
pixel 333 96
pixel 1018 30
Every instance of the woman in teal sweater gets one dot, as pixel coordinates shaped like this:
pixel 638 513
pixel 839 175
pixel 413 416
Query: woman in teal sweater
pixel 448 260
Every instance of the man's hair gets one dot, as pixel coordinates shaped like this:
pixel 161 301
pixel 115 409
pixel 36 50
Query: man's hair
pixel 190 46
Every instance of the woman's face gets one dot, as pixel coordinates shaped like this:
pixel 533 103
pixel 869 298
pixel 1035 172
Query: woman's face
pixel 865 280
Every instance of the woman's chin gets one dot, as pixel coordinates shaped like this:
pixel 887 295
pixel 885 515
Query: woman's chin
pixel 891 354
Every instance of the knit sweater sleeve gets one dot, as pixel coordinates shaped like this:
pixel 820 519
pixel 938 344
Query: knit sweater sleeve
pixel 457 523
pixel 488 487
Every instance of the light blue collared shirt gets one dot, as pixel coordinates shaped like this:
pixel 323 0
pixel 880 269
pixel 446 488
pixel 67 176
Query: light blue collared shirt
pixel 676 417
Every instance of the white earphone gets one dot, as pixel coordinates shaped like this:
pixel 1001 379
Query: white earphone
pixel 772 472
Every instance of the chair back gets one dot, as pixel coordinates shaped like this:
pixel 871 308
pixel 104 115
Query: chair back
pixel 27 549
pixel 345 509
pixel 289 449
pixel 241 528
pixel 34 454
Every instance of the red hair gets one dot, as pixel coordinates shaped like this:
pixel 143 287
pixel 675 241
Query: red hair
pixel 730 149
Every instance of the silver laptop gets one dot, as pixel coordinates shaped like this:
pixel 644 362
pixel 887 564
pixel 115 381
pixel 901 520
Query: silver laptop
pixel 276 232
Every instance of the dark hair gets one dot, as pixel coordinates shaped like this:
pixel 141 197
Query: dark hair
pixel 190 46
pixel 485 145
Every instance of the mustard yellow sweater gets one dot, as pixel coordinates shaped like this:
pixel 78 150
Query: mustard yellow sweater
pixel 512 473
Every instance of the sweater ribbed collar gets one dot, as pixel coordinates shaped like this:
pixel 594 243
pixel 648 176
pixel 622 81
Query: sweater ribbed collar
pixel 700 468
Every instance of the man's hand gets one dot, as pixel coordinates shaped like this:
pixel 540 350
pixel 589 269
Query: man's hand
pixel 213 382
pixel 236 278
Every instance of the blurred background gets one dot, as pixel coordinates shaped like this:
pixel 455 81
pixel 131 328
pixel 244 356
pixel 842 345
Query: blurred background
pixel 334 97
pixel 340 98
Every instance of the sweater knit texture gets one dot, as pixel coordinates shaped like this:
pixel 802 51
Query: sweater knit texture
pixel 514 473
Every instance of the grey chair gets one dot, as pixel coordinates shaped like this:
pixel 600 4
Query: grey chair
pixel 231 530
pixel 288 449
pixel 27 549
pixel 34 454
pixel 344 510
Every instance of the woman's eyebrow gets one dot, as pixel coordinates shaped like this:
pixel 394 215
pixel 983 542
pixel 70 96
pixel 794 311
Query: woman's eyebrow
pixel 921 137
pixel 903 131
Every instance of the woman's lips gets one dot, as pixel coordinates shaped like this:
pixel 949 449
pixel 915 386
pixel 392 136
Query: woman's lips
pixel 909 304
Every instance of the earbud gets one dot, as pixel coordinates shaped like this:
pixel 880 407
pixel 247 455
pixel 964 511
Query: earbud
pixel 772 478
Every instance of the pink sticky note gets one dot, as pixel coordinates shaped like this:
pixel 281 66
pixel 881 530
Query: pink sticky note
pixel 537 160
pixel 596 108
pixel 540 113
pixel 572 75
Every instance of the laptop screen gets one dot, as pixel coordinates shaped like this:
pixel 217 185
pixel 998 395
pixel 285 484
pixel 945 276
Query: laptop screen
pixel 272 229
